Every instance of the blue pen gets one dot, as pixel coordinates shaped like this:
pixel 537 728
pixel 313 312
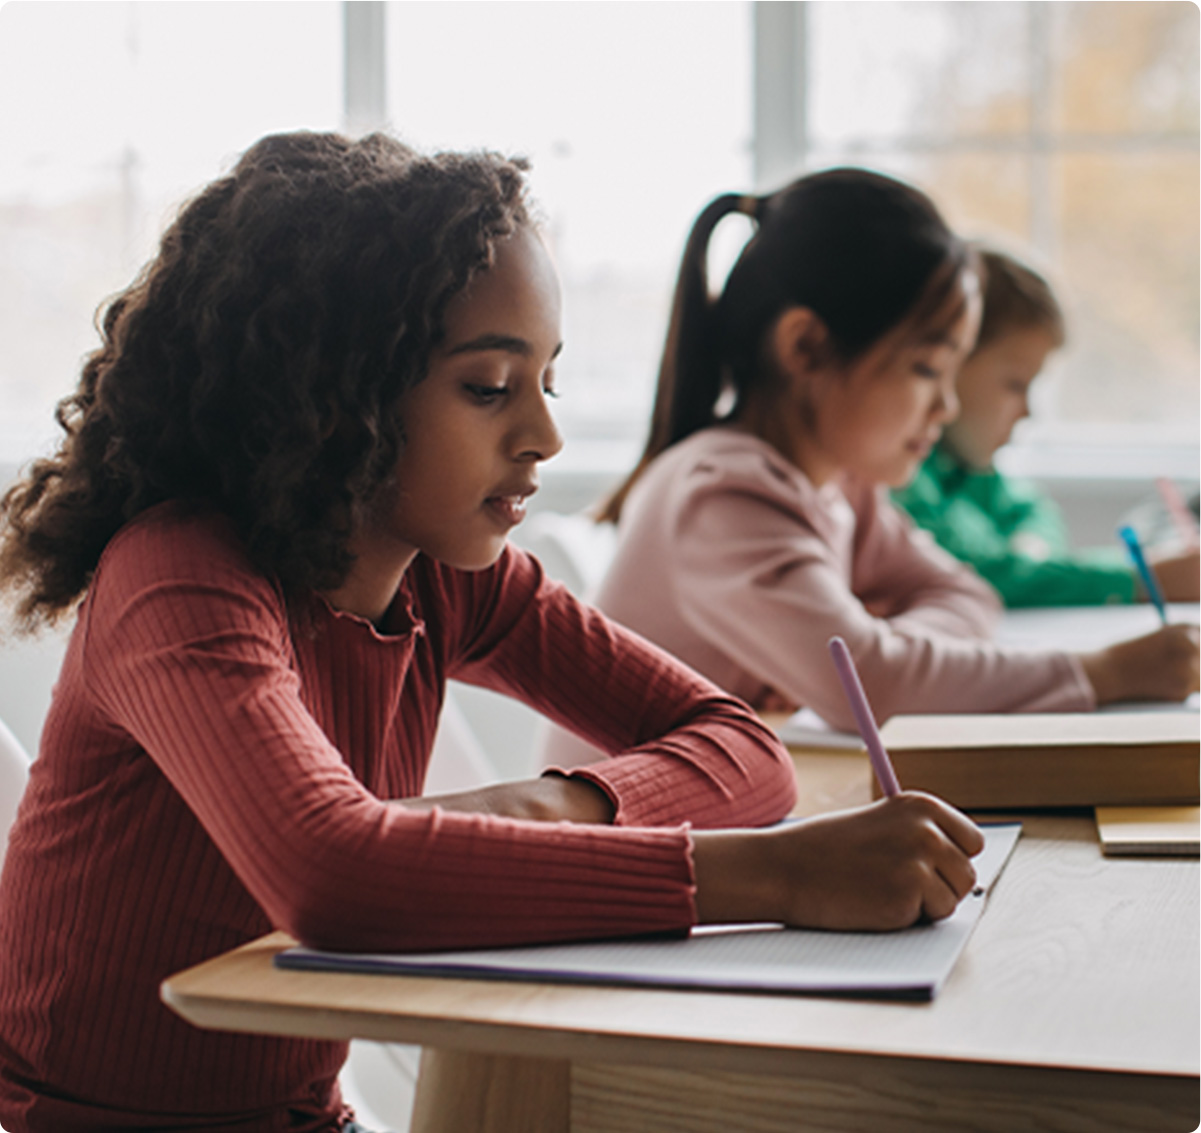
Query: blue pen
pixel 1128 536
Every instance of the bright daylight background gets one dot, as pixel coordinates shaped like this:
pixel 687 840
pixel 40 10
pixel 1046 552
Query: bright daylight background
pixel 1066 129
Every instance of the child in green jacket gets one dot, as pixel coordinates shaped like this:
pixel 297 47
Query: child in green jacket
pixel 1008 530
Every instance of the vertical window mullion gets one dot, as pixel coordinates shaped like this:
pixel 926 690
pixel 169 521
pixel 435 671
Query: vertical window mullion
pixel 780 97
pixel 800 62
pixel 364 82
pixel 1043 211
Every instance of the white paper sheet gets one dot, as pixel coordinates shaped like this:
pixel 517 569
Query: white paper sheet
pixel 806 728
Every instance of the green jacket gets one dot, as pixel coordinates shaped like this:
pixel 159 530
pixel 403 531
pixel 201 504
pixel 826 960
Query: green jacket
pixel 1013 535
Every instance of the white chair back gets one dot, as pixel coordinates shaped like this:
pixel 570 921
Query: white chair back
pixel 14 771
pixel 458 761
pixel 574 549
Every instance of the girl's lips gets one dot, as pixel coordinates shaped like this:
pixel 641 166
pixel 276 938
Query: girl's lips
pixel 922 446
pixel 510 509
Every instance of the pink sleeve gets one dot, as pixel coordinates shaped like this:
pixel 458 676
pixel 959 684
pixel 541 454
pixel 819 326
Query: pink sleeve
pixel 753 576
pixel 902 574
pixel 686 750
pixel 187 652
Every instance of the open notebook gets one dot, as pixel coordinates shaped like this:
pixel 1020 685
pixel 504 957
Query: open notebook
pixel 913 963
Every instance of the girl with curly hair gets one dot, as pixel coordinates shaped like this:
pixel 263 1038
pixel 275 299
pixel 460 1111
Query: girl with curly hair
pixel 280 515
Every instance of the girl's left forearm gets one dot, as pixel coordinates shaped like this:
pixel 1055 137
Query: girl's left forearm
pixel 552 798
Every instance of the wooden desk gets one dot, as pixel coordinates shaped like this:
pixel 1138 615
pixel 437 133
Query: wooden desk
pixel 1074 1007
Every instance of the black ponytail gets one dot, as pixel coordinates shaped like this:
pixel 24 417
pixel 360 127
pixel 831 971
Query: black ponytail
pixel 691 371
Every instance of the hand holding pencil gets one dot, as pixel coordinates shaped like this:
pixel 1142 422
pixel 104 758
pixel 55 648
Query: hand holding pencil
pixel 900 860
pixel 1159 666
pixel 1162 666
pixel 1172 575
pixel 1177 573
pixel 884 866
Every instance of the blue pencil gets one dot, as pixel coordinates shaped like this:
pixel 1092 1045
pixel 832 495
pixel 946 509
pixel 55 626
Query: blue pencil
pixel 1128 536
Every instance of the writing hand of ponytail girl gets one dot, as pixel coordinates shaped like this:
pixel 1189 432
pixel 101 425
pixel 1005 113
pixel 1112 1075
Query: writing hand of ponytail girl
pixel 1160 666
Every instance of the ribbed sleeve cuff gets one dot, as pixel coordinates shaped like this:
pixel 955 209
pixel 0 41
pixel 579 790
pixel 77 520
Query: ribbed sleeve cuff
pixel 636 787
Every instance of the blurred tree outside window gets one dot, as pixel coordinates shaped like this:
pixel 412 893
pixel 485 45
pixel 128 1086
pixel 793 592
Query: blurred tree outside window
pixel 1064 131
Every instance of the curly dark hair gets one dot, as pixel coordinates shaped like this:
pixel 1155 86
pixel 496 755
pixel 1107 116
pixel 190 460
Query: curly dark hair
pixel 256 363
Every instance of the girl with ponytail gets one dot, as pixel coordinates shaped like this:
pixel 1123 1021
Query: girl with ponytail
pixel 757 522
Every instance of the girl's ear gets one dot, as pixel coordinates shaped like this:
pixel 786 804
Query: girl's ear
pixel 800 344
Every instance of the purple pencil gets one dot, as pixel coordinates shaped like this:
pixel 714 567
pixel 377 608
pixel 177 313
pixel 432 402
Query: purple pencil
pixel 864 719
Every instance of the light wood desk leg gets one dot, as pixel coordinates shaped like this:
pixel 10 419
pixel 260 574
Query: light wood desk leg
pixel 486 1093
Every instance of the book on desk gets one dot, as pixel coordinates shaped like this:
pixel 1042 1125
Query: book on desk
pixel 1120 755
pixel 1033 760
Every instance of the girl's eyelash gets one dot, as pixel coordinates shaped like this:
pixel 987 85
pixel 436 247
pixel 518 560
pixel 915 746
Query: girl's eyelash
pixel 485 393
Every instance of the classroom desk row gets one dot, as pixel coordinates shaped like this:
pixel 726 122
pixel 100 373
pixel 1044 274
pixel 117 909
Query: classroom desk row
pixel 1074 1007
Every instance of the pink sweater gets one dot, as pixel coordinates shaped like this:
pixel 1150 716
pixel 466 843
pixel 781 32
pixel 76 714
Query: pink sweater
pixel 731 559
pixel 215 765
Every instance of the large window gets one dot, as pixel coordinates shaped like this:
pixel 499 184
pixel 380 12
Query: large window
pixel 1069 130
pixel 633 115
pixel 110 115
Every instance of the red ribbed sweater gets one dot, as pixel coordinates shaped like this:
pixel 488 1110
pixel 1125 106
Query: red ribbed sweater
pixel 213 767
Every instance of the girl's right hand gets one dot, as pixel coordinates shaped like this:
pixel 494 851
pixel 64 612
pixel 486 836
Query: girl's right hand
pixel 1179 575
pixel 1161 666
pixel 879 867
